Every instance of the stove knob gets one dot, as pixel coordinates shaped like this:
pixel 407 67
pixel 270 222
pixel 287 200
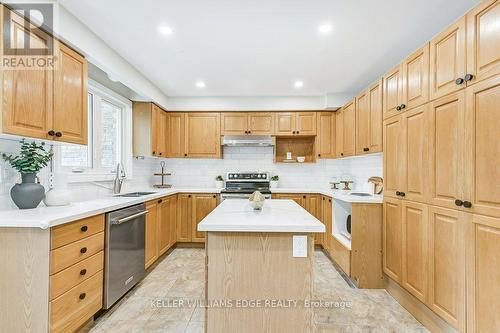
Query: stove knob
pixel 230 175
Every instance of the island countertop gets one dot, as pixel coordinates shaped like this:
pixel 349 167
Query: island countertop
pixel 236 215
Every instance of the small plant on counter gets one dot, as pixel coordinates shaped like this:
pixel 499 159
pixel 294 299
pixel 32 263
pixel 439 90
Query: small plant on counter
pixel 275 178
pixel 219 179
pixel 219 182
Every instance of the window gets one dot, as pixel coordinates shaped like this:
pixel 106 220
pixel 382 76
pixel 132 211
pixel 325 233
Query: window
pixel 108 144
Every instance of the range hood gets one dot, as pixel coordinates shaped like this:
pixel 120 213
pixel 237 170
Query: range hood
pixel 247 141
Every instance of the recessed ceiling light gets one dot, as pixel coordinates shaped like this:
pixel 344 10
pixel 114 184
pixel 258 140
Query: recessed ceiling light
pixel 325 28
pixel 200 84
pixel 166 30
pixel 298 84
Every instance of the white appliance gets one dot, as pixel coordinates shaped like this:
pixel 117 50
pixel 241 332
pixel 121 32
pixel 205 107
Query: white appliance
pixel 342 222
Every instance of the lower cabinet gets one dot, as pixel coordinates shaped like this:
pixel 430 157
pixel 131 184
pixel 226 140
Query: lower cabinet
pixel 192 208
pixel 326 218
pixel 392 230
pixel 151 247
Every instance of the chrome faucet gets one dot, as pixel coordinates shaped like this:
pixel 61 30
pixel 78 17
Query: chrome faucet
pixel 119 178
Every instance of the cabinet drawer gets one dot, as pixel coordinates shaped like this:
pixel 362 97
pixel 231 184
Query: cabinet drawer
pixel 341 255
pixel 69 233
pixel 71 276
pixel 72 309
pixel 70 254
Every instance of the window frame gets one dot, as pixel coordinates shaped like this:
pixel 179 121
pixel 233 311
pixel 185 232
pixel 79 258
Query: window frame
pixel 91 173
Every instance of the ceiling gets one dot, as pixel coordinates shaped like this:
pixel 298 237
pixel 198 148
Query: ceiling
pixel 261 47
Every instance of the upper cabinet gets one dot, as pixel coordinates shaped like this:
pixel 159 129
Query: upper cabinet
pixel 483 41
pixel 175 134
pixel 46 103
pixel 149 128
pixel 416 78
pixel 247 123
pixel 202 135
pixel 393 92
pixel 447 60
pixel 326 135
pixel 369 120
pixel 295 123
pixel 347 129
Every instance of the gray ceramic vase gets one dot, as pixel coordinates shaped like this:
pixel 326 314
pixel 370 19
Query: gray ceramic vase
pixel 28 194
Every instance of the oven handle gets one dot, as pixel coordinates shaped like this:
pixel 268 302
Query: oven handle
pixel 128 218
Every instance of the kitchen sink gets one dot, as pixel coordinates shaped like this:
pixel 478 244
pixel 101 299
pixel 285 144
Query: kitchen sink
pixel 360 194
pixel 134 194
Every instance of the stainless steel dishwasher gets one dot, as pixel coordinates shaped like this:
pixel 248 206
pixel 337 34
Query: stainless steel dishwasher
pixel 124 255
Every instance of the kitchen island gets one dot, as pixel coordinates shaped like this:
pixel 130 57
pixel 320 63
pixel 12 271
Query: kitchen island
pixel 259 267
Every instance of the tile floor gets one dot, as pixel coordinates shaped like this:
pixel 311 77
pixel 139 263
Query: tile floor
pixel 180 278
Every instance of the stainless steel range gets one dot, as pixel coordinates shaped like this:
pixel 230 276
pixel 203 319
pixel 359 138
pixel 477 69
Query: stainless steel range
pixel 240 185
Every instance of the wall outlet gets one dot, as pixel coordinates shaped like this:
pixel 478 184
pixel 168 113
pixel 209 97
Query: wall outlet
pixel 299 246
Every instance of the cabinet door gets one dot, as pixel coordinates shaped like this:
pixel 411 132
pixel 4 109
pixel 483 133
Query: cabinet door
pixel 151 246
pixel 416 78
pixel 203 204
pixel 447 60
pixel 393 156
pixel 349 129
pixel 339 134
pixel 285 123
pixel 306 123
pixel 414 181
pixel 392 241
pixel 415 248
pixel 362 123
pixel 261 123
pixel 202 135
pixel 447 265
pixel 172 220
pixel 234 123
pixel 375 105
pixel 446 150
pixel 27 94
pixel 326 135
pixel 483 275
pixel 482 124
pixel 483 40
pixel 184 217
pixel 158 131
pixel 297 197
pixel 70 114
pixel 175 134
pixel 392 91
pixel 313 206
pixel 328 222
pixel 164 225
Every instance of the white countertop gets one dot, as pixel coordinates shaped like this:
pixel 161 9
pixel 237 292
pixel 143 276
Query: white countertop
pixel 45 217
pixel 236 215
pixel 335 194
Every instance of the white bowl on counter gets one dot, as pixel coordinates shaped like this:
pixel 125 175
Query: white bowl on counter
pixel 301 159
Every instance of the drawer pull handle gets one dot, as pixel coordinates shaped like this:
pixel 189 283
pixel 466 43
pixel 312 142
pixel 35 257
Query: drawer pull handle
pixel 83 272
pixel 467 204
pixel 82 295
pixel 84 228
pixel 83 250
pixel 459 202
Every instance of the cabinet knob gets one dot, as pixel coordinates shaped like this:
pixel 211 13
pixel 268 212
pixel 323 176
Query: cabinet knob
pixel 83 272
pixel 459 81
pixel 82 296
pixel 468 77
pixel 58 134
pixel 303 196
pixel 249 132
pixel 323 199
pixel 403 106
pixel 160 201
pixel 51 133
pixel 467 204
pixel 214 196
pixel 329 200
pixel 154 152
pixel 341 154
pixel 398 108
pixel 246 132
pixel 293 132
pixel 402 194
pixel 366 149
pixel 160 154
pixel 84 228
pixel 398 193
pixel 83 250
pixel 185 154
pixel 459 202
pixel 298 132
pixel 319 155
pixel 189 195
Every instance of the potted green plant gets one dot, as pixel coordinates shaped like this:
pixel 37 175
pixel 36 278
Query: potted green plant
pixel 274 181
pixel 31 159
pixel 219 182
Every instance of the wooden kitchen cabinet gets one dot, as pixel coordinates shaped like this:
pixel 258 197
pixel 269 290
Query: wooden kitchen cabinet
pixel 447 60
pixel 369 120
pixel 392 91
pixel 167 218
pixel 297 197
pixel 326 207
pixel 313 205
pixel 295 123
pixel 325 140
pixel 202 205
pixel 46 103
pixel 483 41
pixel 392 240
pixel 393 156
pixel 345 131
pixel 202 135
pixel 184 217
pixel 151 234
pixel 149 130
pixel 483 287
pixel 447 265
pixel 415 78
pixel 339 133
pixel 247 123
pixel 415 248
pixel 482 148
pixel 175 135
pixel 159 131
